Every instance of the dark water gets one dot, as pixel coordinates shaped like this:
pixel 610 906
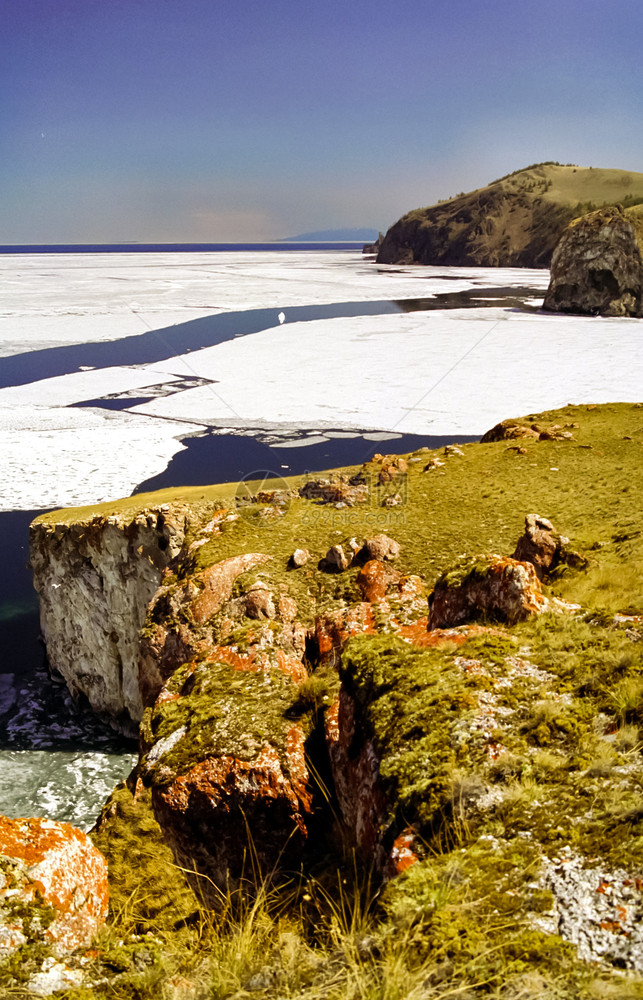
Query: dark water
pixel 174 247
pixel 225 458
pixel 160 345
pixel 20 650
pixel 208 331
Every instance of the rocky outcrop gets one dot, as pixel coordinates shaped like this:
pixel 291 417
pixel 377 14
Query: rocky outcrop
pixel 339 490
pixel 510 430
pixel 356 778
pixel 596 267
pixel 493 586
pixel 227 767
pixel 170 638
pixel 53 886
pixel 95 578
pixel 541 545
pixel 488 228
pixel 515 221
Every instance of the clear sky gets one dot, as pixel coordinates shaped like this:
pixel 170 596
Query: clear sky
pixel 220 120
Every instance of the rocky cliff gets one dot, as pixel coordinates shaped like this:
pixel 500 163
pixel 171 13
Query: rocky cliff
pixel 95 577
pixel 514 222
pixel 444 693
pixel 597 268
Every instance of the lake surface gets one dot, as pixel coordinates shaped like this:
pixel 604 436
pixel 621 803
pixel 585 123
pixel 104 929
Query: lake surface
pixel 128 369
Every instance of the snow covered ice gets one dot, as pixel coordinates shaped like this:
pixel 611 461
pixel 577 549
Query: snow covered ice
pixel 444 371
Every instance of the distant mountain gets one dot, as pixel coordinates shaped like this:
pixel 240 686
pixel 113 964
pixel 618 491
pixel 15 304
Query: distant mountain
pixel 334 236
pixel 515 221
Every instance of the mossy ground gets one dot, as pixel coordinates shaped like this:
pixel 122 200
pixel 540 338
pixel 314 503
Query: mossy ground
pixel 497 762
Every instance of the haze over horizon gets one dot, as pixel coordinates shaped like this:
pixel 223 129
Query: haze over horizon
pixel 187 120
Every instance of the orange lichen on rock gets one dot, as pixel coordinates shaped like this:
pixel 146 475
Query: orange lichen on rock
pixel 53 885
pixel 374 579
pixel 493 585
pixel 226 816
pixel 333 629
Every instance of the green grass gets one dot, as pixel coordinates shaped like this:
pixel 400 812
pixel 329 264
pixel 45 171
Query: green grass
pixel 567 768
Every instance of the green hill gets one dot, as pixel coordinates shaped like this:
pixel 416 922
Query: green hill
pixel 515 221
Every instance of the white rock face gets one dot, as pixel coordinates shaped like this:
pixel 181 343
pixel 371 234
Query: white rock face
pixel 96 577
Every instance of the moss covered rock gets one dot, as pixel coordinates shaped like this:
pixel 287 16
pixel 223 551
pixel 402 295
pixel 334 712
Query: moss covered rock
pixel 493 586
pixel 227 766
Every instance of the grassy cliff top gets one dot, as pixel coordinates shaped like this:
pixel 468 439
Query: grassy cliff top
pixel 563 185
pixel 518 753
pixel 590 486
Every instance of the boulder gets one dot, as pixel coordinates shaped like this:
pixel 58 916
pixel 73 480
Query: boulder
pixel 380 547
pixel 596 267
pixel 338 490
pixel 540 545
pixel 226 763
pixel 53 886
pixel 299 558
pixel 257 603
pixel 340 557
pixel 494 586
pixel 374 579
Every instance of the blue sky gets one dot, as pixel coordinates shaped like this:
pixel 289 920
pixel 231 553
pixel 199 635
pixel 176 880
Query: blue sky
pixel 218 120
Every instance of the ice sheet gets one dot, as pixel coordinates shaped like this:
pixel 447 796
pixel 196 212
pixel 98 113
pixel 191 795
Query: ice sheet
pixel 457 371
pixel 51 299
pixel 442 372
pixel 58 457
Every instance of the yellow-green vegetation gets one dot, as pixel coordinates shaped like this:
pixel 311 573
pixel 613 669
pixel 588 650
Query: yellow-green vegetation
pixel 222 711
pixel 635 215
pixel 508 752
pixel 591 487
pixel 514 221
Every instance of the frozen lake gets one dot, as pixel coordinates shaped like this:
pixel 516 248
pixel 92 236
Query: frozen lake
pixel 123 369
pixel 109 361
